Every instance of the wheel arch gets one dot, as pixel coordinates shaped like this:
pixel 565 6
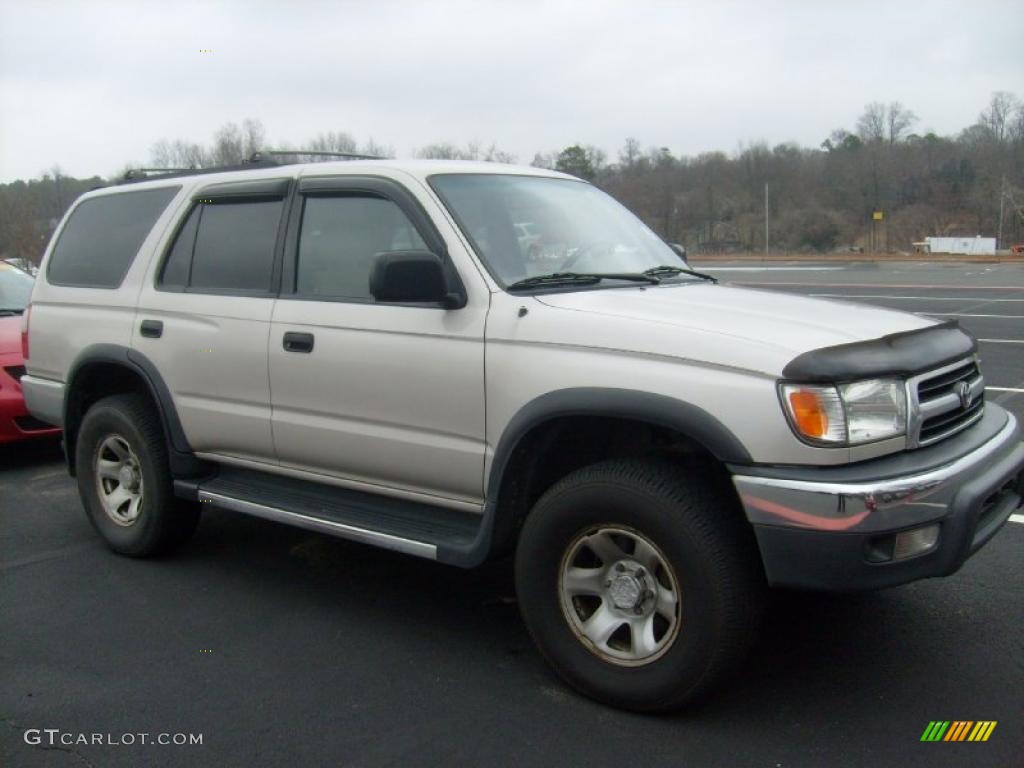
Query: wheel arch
pixel 620 410
pixel 106 369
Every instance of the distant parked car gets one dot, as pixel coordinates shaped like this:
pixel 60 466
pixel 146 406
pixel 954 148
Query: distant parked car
pixel 15 421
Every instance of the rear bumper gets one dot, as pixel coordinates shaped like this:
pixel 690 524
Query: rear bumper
pixel 44 398
pixel 830 529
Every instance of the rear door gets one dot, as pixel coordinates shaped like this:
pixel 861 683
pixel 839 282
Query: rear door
pixel 386 396
pixel 204 315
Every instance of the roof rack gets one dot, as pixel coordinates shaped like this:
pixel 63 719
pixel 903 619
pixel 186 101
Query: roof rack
pixel 263 159
pixel 312 153
pixel 142 174
pixel 137 174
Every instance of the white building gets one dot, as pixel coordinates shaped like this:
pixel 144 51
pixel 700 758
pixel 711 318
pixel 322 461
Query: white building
pixel 971 246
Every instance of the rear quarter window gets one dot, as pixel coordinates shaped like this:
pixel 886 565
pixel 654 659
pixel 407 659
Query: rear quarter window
pixel 100 240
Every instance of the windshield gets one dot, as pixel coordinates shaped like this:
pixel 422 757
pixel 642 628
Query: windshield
pixel 523 226
pixel 15 288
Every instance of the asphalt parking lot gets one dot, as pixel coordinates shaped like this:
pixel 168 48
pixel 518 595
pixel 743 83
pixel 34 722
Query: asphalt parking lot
pixel 284 647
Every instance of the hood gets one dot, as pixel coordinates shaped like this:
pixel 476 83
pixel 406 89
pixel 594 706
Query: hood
pixel 10 335
pixel 724 325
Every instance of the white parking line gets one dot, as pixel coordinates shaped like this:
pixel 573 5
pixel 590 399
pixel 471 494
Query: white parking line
pixel 910 298
pixel 962 314
pixel 772 269
pixel 1003 341
pixel 1017 518
pixel 907 286
pixel 1005 389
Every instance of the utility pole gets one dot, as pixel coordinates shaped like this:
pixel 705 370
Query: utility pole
pixel 766 219
pixel 1002 200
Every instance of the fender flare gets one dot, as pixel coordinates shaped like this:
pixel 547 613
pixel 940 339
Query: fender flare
pixel 179 450
pixel 657 410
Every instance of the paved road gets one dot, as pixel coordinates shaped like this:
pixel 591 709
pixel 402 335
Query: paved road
pixel 282 647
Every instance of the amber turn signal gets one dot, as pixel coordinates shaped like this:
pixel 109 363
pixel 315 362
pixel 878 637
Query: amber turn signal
pixel 816 413
pixel 808 413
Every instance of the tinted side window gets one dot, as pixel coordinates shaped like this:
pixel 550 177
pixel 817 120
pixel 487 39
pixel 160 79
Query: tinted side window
pixel 234 248
pixel 339 238
pixel 101 238
pixel 179 261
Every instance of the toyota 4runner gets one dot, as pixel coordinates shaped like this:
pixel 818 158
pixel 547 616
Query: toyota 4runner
pixel 460 360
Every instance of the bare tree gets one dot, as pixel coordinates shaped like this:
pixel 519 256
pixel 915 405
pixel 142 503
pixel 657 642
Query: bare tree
pixel 871 125
pixel 472 151
pixel 329 141
pixel 496 155
pixel 177 154
pixel 999 115
pixel 597 158
pixel 441 151
pixel 253 137
pixel 160 153
pixel 228 145
pixel 1016 131
pixel 630 154
pixel 332 141
pixel 898 119
pixel 545 160
pixel 371 147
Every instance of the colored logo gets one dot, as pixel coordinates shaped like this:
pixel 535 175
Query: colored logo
pixel 958 730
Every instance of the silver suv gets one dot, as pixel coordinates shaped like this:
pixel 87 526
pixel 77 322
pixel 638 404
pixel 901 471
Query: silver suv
pixel 459 361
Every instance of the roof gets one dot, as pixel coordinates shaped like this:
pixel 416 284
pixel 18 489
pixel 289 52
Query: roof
pixel 419 169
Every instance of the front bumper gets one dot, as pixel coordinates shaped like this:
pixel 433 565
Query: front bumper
pixel 16 423
pixel 822 528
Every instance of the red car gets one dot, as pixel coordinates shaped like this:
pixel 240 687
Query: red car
pixel 15 421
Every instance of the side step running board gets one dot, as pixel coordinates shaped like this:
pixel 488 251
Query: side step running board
pixel 299 520
pixel 403 526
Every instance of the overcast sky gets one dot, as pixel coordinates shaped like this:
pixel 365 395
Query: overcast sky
pixel 91 86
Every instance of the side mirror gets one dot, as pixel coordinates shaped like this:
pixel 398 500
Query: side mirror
pixel 411 277
pixel 680 252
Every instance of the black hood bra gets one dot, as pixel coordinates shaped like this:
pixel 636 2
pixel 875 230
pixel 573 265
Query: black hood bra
pixel 898 354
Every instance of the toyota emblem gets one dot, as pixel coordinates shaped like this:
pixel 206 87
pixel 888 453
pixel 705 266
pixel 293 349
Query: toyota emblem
pixel 963 391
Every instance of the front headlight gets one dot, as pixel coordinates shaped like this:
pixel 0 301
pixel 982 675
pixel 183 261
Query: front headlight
pixel 846 414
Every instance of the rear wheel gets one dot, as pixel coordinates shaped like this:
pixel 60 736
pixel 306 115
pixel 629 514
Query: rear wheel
pixel 641 586
pixel 124 479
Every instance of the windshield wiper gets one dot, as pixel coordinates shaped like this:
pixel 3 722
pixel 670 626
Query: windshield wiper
pixel 665 271
pixel 581 278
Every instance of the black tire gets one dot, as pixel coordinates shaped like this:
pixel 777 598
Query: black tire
pixel 163 522
pixel 694 522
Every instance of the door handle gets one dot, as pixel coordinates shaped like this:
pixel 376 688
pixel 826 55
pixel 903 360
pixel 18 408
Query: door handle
pixel 152 329
pixel 298 342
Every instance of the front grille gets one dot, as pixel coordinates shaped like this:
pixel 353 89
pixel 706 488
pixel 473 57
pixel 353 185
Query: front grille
pixel 31 424
pixel 948 400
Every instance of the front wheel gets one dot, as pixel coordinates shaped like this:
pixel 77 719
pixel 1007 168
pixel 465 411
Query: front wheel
pixel 640 585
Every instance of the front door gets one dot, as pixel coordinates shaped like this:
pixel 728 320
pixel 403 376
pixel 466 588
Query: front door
pixel 386 396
